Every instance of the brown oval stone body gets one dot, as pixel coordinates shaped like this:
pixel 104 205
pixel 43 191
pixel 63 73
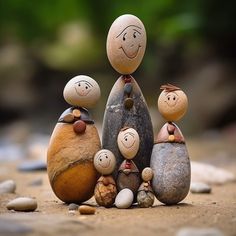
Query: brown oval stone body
pixel 171 167
pixel 117 117
pixel 70 162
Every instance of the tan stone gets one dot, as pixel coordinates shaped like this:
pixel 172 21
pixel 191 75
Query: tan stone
pixel 147 174
pixel 87 210
pixel 70 162
pixel 126 43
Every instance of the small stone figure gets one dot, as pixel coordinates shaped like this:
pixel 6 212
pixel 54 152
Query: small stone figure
pixel 126 106
pixel 170 160
pixel 146 197
pixel 74 142
pixel 105 191
pixel 128 175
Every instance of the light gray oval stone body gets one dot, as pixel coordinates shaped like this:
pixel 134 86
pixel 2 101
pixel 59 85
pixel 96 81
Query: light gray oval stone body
pixel 172 173
pixel 22 204
pixel 116 117
pixel 124 198
pixel 145 199
pixel 8 186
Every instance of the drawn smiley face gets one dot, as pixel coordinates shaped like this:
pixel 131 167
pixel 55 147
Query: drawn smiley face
pixel 104 162
pixel 126 43
pixel 82 91
pixel 128 142
pixel 172 105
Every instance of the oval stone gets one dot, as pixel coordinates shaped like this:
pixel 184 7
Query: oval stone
pixel 145 199
pixel 79 127
pixel 87 210
pixel 124 199
pixel 22 204
pixel 128 88
pixel 129 102
pixel 70 166
pixel 171 168
pixel 7 186
pixel 116 117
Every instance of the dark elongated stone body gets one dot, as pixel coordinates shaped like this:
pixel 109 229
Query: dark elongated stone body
pixel 117 116
pixel 171 167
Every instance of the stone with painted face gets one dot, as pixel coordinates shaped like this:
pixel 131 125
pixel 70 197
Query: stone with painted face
pixel 172 104
pixel 128 142
pixel 105 162
pixel 82 91
pixel 126 43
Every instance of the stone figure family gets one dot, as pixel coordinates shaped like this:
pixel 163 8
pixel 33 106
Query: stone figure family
pixel 129 166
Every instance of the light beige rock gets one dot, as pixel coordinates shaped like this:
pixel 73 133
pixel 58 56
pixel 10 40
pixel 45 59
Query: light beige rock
pixel 22 204
pixel 128 142
pixel 147 174
pixel 82 91
pixel 126 43
pixel 104 162
pixel 7 186
pixel 172 103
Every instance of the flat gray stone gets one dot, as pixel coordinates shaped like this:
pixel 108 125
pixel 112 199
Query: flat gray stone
pixel 8 186
pixel 199 232
pixel 171 168
pixel 10 227
pixel 198 187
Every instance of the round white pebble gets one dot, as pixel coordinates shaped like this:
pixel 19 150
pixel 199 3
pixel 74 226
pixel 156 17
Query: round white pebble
pixel 22 204
pixel 8 186
pixel 124 198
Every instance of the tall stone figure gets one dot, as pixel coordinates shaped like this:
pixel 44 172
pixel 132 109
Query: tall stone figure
pixel 74 142
pixel 170 160
pixel 126 106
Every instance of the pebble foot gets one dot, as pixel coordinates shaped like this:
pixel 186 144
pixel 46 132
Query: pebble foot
pixel 22 204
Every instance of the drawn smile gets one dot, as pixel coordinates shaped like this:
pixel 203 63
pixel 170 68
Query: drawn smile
pixel 133 55
pixel 129 145
pixel 107 165
pixel 83 94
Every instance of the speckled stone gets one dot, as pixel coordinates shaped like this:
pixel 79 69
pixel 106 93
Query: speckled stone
pixel 145 199
pixel 116 117
pixel 171 167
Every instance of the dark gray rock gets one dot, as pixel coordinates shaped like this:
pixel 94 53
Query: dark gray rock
pixel 171 167
pixel 35 165
pixel 117 116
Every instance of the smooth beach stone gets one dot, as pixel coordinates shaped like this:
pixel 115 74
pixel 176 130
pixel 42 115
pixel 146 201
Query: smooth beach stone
pixel 129 102
pixel 196 231
pixel 22 204
pixel 172 103
pixel 124 199
pixel 7 186
pixel 147 174
pixel 138 117
pixel 32 165
pixel 76 113
pixel 198 187
pixel 128 88
pixel 82 91
pixel 145 199
pixel 87 210
pixel 68 118
pixel 171 168
pixel 71 172
pixel 79 127
pixel 73 207
pixel 104 162
pixel 126 43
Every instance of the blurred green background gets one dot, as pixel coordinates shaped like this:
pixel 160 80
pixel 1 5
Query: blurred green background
pixel 43 44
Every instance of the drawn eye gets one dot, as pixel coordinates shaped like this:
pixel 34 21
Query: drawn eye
pixel 126 139
pixel 79 84
pixel 106 157
pixel 174 98
pixel 86 87
pixel 134 34
pixel 100 159
pixel 124 38
pixel 168 98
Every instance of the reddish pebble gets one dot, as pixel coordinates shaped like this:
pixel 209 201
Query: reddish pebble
pixel 87 210
pixel 79 127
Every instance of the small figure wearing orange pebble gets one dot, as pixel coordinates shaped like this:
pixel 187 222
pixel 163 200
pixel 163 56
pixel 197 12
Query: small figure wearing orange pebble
pixel 105 191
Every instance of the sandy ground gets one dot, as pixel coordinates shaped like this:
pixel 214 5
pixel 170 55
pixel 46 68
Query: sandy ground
pixel 217 210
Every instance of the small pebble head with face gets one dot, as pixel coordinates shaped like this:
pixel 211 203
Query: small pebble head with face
pixel 128 142
pixel 82 91
pixel 147 174
pixel 104 162
pixel 172 102
pixel 126 43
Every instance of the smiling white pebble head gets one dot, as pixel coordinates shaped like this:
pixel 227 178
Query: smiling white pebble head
pixel 128 142
pixel 104 162
pixel 126 43
pixel 82 91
